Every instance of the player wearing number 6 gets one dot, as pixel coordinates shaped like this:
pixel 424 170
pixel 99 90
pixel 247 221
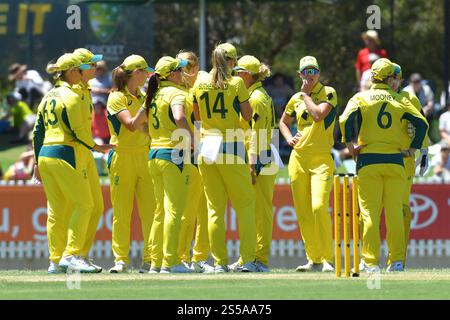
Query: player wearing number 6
pixel 219 99
pixel 377 115
pixel 59 140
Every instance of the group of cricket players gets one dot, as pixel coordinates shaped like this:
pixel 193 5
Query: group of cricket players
pixel 195 140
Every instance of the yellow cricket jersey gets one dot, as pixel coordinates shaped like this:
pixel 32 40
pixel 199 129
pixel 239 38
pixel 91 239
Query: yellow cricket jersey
pixel 120 136
pixel 219 108
pixel 407 127
pixel 376 116
pixel 86 100
pixel 161 123
pixel 263 118
pixel 315 136
pixel 59 120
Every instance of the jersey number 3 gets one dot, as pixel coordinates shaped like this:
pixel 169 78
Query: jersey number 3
pixel 384 118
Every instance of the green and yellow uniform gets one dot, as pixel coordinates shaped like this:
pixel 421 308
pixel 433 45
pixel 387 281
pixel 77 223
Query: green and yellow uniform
pixel 410 168
pixel 195 215
pixel 228 177
pixel 89 168
pixel 60 141
pixel 263 121
pixel 170 175
pixel 379 115
pixel 311 170
pixel 129 175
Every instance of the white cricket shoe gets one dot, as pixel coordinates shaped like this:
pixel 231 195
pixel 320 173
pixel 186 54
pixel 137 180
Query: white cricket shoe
pixel 262 267
pixel 64 263
pixel 54 268
pixel 310 267
pixel 327 267
pixel 372 269
pixel 186 264
pixel 179 268
pixel 235 267
pixel 250 267
pixel 90 262
pixel 202 267
pixel 221 269
pixel 154 270
pixel 119 267
pixel 78 264
pixel 145 267
pixel 396 266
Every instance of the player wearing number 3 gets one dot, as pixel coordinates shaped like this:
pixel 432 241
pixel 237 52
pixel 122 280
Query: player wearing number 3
pixel 59 139
pixel 378 115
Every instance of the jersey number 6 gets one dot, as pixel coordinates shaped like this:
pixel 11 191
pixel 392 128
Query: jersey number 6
pixel 382 115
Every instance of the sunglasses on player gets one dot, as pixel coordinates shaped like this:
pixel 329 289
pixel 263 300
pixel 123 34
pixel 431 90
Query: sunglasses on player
pixel 309 71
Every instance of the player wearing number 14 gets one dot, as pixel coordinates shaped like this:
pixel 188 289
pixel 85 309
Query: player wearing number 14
pixel 377 116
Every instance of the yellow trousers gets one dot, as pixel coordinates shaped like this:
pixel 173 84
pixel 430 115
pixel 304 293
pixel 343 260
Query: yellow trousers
pixel 230 180
pixel 194 220
pixel 91 172
pixel 130 178
pixel 410 170
pixel 171 187
pixel 69 203
pixel 380 186
pixel 311 183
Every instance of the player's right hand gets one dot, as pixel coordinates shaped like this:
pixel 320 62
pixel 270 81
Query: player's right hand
pixel 36 175
pixel 293 141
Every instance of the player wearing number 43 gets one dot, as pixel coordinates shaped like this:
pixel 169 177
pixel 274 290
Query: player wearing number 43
pixel 311 166
pixel 378 116
pixel 128 171
pixel 60 138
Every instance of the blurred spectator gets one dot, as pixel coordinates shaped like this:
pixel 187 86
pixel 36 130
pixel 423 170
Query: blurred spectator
pixel 28 83
pixel 102 82
pixel 280 92
pixel 99 120
pixel 424 94
pixel 22 117
pixel 444 125
pixel 443 97
pixel 368 54
pixel 23 168
pixel 441 162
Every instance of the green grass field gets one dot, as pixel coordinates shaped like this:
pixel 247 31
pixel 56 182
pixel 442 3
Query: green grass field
pixel 279 284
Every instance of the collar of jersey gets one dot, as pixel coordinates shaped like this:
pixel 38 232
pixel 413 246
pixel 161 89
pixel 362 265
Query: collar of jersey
pixel 254 86
pixel 380 86
pixel 168 83
pixel 128 93
pixel 317 88
pixel 61 83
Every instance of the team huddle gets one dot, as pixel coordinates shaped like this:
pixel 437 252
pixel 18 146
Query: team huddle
pixel 196 140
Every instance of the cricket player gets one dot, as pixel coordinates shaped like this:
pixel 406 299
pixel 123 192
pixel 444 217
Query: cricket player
pixel 263 170
pixel 195 216
pixel 377 116
pixel 410 165
pixel 128 170
pixel 87 165
pixel 59 139
pixel 166 104
pixel 218 101
pixel 311 166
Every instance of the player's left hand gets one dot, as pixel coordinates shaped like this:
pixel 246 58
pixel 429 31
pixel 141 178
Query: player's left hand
pixel 408 153
pixel 253 173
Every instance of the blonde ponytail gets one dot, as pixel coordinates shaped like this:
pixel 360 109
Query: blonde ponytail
pixel 219 70
pixel 264 72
